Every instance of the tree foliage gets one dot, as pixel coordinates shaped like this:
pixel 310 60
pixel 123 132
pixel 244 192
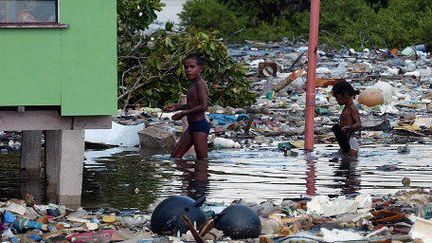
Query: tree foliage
pixel 150 68
pixel 162 80
pixel 354 23
pixel 211 15
pixel 135 15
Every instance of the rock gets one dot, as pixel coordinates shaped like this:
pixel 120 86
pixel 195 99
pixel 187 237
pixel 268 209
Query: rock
pixel 406 181
pixel 270 226
pixel 266 207
pixel 156 139
pixel 229 110
pixel 388 168
pixel 122 235
pixel 213 235
pixel 404 149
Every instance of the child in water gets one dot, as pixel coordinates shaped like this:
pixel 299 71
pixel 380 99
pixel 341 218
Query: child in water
pixel 194 110
pixel 349 121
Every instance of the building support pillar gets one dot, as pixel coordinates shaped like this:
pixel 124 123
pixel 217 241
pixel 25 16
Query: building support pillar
pixel 31 176
pixel 64 166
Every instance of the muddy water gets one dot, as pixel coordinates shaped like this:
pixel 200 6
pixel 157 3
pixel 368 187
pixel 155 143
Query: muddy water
pixel 121 178
pixel 253 175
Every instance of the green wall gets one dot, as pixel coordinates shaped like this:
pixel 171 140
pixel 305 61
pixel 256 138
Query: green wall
pixel 75 68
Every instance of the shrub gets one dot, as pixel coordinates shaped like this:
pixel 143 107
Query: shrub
pixel 349 23
pixel 209 15
pixel 160 79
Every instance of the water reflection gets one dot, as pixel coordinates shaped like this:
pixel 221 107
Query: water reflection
pixel 310 178
pixel 32 183
pixel 9 176
pixel 195 178
pixel 347 176
pixel 127 180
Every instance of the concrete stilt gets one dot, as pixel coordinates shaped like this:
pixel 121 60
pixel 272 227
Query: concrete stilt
pixel 31 178
pixel 64 166
pixel 31 150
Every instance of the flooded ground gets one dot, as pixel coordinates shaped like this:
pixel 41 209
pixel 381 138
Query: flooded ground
pixel 120 178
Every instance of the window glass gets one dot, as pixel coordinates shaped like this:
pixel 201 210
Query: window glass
pixel 28 11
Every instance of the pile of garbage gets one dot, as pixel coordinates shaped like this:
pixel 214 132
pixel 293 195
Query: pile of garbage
pixel 403 217
pixel 395 101
pixel 394 104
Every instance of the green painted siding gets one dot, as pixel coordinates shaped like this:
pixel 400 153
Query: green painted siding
pixel 74 68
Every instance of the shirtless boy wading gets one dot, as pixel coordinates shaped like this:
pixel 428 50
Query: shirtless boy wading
pixel 197 104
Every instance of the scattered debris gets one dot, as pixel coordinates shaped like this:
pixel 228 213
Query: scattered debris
pixel 404 216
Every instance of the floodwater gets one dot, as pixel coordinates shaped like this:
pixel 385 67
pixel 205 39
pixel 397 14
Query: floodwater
pixel 120 178
pixel 170 11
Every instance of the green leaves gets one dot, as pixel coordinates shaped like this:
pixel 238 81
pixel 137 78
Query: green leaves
pixel 164 75
pixel 343 23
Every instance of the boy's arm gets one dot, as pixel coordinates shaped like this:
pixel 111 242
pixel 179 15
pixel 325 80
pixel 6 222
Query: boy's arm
pixel 181 107
pixel 203 100
pixel 175 107
pixel 355 118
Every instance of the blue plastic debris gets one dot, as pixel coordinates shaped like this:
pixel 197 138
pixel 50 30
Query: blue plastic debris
pixel 222 119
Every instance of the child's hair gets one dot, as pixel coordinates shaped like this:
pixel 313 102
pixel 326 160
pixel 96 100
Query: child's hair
pixel 343 87
pixel 199 60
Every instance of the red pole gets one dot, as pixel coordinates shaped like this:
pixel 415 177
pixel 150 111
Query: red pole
pixel 311 75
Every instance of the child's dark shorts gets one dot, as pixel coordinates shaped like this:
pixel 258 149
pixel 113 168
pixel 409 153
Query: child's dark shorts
pixel 199 126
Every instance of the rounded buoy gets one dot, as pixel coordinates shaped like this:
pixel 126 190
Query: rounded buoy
pixel 239 222
pixel 167 218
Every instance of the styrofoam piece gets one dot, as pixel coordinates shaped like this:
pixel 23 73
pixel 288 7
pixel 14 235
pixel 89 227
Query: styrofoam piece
pixel 336 235
pixel 422 229
pixel 119 135
pixel 225 143
pixel 364 201
pixel 324 206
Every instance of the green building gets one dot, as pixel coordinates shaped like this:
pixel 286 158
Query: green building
pixel 59 53
pixel 58 76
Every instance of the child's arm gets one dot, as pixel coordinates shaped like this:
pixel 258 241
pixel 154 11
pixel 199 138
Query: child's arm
pixel 175 107
pixel 357 125
pixel 356 122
